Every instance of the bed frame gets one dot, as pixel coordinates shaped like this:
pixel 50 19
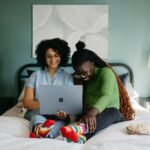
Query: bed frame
pixel 22 74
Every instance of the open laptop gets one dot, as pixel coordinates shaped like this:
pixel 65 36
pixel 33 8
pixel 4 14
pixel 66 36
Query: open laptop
pixel 53 98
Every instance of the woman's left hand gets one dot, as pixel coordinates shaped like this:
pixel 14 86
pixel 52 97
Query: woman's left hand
pixel 90 119
pixel 61 114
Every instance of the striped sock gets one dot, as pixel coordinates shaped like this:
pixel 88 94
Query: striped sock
pixel 80 128
pixel 81 139
pixel 42 130
pixel 74 133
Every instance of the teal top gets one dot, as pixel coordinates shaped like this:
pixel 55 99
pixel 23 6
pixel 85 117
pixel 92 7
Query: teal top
pixel 42 77
pixel 102 90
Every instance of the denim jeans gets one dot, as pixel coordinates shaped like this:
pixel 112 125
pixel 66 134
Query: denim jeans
pixel 106 118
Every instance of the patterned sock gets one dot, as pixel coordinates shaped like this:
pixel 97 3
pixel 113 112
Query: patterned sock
pixel 42 130
pixel 74 132
pixel 81 139
pixel 32 135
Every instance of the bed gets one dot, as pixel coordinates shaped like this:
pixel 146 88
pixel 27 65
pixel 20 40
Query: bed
pixel 14 129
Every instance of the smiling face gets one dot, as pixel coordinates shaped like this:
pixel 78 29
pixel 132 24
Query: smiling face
pixel 85 70
pixel 52 58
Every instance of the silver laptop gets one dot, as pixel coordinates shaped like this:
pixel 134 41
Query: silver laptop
pixel 53 98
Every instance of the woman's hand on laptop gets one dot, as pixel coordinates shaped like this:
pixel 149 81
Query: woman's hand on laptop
pixel 61 114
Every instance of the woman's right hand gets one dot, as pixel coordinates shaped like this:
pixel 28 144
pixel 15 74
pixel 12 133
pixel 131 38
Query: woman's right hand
pixel 61 114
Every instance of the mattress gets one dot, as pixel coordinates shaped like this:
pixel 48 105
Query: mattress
pixel 14 131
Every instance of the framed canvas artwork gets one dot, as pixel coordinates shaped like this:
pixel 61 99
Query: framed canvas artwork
pixel 87 23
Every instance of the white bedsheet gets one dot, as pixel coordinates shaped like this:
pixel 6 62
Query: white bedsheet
pixel 14 133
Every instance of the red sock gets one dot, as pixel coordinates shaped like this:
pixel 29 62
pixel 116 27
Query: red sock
pixel 43 130
pixel 48 123
pixel 69 133
pixel 32 135
pixel 73 132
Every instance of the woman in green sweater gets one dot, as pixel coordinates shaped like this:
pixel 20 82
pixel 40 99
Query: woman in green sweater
pixel 101 97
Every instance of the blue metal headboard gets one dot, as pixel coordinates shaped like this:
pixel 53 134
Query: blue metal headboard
pixel 21 75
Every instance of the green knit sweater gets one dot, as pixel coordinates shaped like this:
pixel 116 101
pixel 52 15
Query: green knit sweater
pixel 102 90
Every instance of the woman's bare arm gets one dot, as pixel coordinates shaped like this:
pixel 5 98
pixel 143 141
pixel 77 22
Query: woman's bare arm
pixel 29 99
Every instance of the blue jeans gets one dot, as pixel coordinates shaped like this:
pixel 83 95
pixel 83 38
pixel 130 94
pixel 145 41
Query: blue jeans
pixel 36 119
pixel 106 118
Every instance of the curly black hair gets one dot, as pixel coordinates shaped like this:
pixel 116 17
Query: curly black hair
pixel 58 45
pixel 82 55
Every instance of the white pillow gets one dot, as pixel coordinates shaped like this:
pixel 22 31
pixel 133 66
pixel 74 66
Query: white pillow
pixel 131 91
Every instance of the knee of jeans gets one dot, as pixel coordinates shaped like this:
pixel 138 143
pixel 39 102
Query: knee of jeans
pixel 118 114
pixel 115 111
pixel 56 129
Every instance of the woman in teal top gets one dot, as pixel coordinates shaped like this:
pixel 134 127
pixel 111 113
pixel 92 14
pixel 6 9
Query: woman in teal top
pixel 101 97
pixel 51 55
